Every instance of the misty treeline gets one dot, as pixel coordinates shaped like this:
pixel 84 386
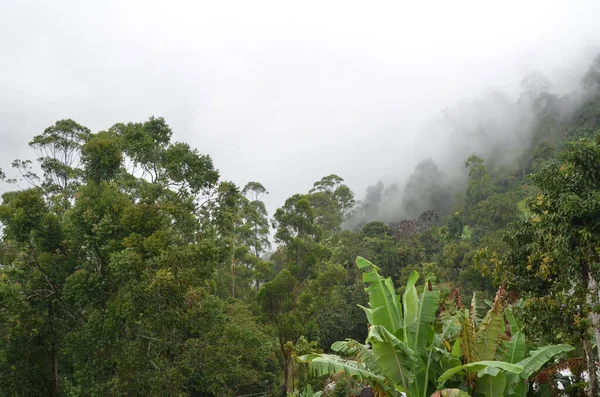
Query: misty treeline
pixel 129 267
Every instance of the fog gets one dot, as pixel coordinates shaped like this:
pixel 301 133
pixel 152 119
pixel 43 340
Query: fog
pixel 285 93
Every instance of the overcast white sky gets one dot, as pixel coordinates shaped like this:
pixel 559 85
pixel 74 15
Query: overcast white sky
pixel 280 92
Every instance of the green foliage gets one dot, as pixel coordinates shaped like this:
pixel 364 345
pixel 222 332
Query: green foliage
pixel 130 268
pixel 407 356
pixel 427 189
pixel 109 272
pixel 480 186
pixel 102 157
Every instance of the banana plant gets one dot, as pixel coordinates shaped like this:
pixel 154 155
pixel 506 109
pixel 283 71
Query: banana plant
pixel 399 355
pixel 404 355
pixel 486 339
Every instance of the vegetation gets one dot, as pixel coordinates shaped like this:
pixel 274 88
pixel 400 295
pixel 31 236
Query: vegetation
pixel 409 350
pixel 129 267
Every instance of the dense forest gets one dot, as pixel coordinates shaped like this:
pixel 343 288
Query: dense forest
pixel 128 267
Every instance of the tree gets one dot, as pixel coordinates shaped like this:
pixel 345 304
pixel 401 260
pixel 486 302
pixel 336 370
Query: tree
pixel 115 292
pixel 555 251
pixel 300 236
pixel 332 202
pixel 480 186
pixel 278 301
pixel 102 157
pixel 59 154
pixel 427 190
pixel 35 264
pixel 255 228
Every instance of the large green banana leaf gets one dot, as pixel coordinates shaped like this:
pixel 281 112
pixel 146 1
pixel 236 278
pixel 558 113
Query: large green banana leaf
pixel 512 321
pixel 384 303
pixel 324 364
pixel 363 353
pixel 410 303
pixel 421 331
pixel 482 367
pixel 491 386
pixel 515 348
pixel 396 360
pixel 537 358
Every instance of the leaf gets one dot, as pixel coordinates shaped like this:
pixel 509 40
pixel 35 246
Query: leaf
pixel 396 360
pixel 531 365
pixel 410 301
pixel 383 301
pixel 422 330
pixel 362 353
pixel 329 364
pixel 512 321
pixel 490 329
pixel 479 366
pixel 491 386
pixel 362 263
pixel 456 348
pixel 515 348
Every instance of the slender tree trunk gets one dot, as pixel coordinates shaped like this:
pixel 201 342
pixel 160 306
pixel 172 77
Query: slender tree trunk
pixel 593 299
pixel 54 350
pixel 286 371
pixel 233 270
pixel 591 367
pixel 56 381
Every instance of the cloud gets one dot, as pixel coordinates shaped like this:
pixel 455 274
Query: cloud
pixel 283 93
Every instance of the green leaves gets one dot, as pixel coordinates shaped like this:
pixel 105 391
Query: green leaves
pixel 481 368
pixel 422 329
pixel 384 303
pixel 403 343
pixel 396 360
pixel 491 386
pixel 541 356
pixel 102 157
pixel 490 329
pixel 410 303
pixel 324 364
pixel 108 272
pixel 515 348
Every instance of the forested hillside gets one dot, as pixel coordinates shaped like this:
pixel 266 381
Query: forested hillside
pixel 129 267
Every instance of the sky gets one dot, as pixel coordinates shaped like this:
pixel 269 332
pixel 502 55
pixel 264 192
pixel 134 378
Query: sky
pixel 280 92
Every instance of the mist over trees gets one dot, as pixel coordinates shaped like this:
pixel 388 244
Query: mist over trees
pixel 128 266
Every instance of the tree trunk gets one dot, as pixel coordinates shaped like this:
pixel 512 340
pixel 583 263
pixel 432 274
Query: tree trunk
pixel 286 371
pixel 591 367
pixel 56 380
pixel 233 271
pixel 54 350
pixel 593 298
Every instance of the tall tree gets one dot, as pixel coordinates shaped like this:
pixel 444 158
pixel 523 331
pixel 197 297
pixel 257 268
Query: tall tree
pixel 480 186
pixel 427 189
pixel 332 202
pixel 555 252
pixel 255 222
pixel 115 293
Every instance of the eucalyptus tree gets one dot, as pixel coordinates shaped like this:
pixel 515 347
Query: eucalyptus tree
pixel 114 293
